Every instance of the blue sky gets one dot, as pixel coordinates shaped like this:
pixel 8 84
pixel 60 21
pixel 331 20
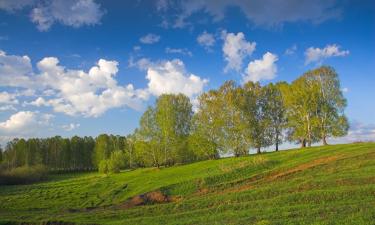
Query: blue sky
pixel 87 67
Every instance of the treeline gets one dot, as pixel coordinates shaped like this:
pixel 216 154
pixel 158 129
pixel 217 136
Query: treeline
pixel 229 120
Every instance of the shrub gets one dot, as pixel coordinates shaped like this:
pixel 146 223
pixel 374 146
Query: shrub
pixel 103 166
pixel 23 175
pixel 113 164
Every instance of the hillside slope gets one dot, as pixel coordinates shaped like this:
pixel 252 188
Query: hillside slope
pixel 321 185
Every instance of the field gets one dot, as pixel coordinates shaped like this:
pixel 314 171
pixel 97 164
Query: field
pixel 318 185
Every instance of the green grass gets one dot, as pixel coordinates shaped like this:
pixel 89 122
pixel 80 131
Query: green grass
pixel 319 185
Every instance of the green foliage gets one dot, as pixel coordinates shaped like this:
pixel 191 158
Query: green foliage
pixel 315 107
pixel 162 136
pixel 103 166
pixel 114 164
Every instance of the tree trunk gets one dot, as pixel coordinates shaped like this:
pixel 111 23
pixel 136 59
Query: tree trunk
pixel 303 143
pixel 277 141
pixel 258 150
pixel 325 140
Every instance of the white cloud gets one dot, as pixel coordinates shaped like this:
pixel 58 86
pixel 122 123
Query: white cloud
pixel 88 94
pixel 291 50
pixel 150 39
pixel 24 123
pixel 7 98
pixel 261 69
pixel 318 55
pixel 38 102
pixel 182 51
pixel 171 77
pixel 74 13
pixel 15 71
pixel 235 49
pixel 266 13
pixel 70 91
pixel 71 126
pixel 206 40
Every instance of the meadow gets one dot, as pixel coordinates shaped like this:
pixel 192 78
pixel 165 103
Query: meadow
pixel 318 185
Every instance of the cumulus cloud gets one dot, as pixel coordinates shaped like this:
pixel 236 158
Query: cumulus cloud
pixel 150 39
pixel 71 126
pixel 182 51
pixel 206 40
pixel 171 77
pixel 236 49
pixel 24 123
pixel 261 69
pixel 7 98
pixel 70 91
pixel 87 93
pixel 266 13
pixel 15 71
pixel 318 55
pixel 40 101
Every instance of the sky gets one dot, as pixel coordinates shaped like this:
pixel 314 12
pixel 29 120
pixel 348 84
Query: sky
pixel 86 67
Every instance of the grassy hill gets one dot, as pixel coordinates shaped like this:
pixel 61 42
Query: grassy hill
pixel 319 185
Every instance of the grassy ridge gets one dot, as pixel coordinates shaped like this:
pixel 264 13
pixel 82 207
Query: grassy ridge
pixel 322 185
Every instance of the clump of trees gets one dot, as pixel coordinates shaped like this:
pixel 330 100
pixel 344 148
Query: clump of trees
pixel 229 120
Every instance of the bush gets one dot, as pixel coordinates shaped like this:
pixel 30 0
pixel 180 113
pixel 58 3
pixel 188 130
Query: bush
pixel 113 164
pixel 103 166
pixel 23 175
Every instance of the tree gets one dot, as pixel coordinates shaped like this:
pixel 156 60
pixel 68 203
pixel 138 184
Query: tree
pixel 331 120
pixel 201 147
pixel 301 101
pixel 275 109
pixel 255 106
pixel 173 115
pixel 148 140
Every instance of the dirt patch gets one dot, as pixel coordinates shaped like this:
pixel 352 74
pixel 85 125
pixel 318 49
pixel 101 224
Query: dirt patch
pixel 302 167
pixel 251 182
pixel 155 197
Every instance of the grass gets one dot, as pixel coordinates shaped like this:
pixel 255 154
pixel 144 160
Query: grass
pixel 319 185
